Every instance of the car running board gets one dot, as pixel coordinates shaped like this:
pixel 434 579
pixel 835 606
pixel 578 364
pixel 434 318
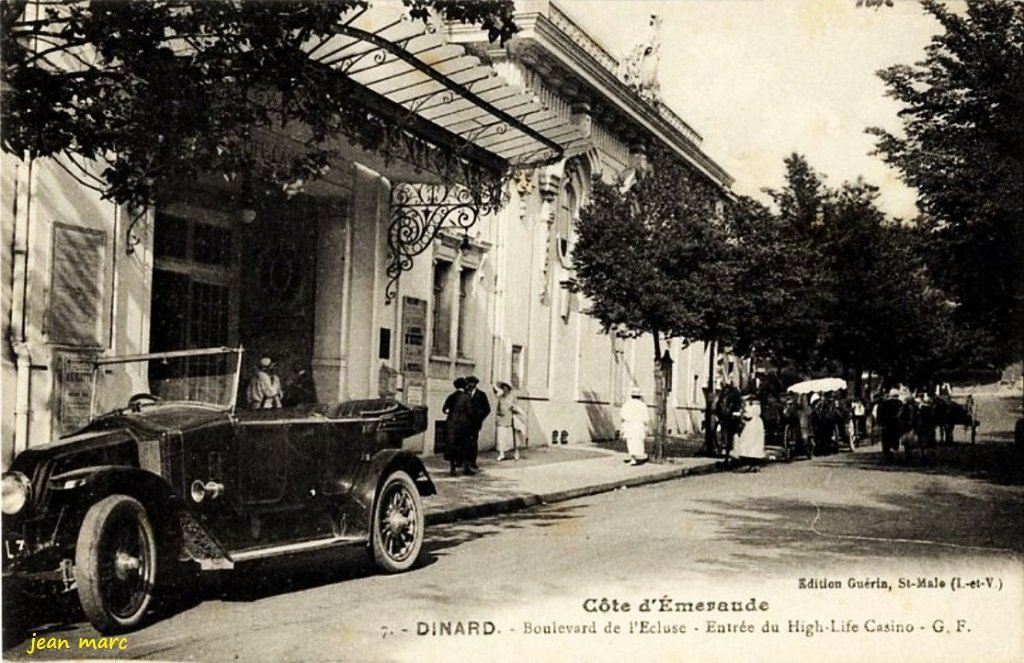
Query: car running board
pixel 291 548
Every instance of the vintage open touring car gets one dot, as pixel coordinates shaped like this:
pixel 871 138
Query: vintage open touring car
pixel 175 474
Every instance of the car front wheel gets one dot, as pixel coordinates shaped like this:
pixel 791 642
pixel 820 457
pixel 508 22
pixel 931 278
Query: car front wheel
pixel 397 533
pixel 115 564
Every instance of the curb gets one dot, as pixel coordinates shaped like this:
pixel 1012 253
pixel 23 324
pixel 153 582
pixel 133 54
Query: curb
pixel 526 501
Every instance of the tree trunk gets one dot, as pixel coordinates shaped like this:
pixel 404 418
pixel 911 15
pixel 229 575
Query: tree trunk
pixel 709 393
pixel 660 401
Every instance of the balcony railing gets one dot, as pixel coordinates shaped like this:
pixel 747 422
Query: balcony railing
pixel 606 59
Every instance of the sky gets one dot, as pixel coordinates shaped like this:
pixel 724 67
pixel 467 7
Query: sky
pixel 760 79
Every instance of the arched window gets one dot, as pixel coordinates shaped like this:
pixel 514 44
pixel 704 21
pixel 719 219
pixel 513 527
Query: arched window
pixel 565 219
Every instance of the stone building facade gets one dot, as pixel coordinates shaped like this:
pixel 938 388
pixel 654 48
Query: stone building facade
pixel 327 283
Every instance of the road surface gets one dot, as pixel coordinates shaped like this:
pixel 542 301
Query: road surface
pixel 780 537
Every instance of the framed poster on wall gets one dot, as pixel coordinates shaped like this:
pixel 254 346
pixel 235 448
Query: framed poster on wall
pixel 414 326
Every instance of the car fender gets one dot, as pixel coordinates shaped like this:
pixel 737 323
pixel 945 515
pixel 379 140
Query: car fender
pixel 88 485
pixel 383 463
pixel 80 488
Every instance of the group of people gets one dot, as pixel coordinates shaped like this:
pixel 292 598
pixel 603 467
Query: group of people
pixel 822 423
pixel 742 424
pixel 819 422
pixel 264 390
pixel 919 421
pixel 466 408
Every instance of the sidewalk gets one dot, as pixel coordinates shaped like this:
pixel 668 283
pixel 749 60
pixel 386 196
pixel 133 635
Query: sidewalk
pixel 543 475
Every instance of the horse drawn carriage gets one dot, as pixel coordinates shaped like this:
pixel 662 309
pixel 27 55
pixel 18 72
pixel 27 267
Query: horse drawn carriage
pixel 812 422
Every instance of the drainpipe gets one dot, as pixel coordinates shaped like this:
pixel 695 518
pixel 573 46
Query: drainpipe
pixel 22 403
pixel 19 297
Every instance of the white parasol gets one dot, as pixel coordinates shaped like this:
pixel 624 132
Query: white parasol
pixel 819 385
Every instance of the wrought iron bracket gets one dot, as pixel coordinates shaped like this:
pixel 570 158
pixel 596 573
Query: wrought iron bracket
pixel 420 211
pixel 131 240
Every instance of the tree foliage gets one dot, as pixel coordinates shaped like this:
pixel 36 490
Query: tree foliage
pixel 780 302
pixel 962 148
pixel 825 284
pixel 801 199
pixel 652 259
pixel 835 286
pixel 886 313
pixel 169 89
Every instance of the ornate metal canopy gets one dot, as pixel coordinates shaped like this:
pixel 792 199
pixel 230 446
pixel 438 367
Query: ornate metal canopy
pixel 454 118
pixel 384 51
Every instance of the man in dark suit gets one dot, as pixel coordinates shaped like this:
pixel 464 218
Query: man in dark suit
pixel 481 408
pixel 889 423
pixel 727 410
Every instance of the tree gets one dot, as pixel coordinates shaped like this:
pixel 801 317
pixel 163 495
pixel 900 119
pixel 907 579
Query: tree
pixel 962 148
pixel 653 260
pixel 792 285
pixel 782 281
pixel 835 286
pixel 800 201
pixel 171 89
pixel 887 314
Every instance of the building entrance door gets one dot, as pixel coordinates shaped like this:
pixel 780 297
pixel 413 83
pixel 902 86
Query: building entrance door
pixel 278 286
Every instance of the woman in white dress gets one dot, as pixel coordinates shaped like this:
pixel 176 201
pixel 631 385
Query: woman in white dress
pixel 749 444
pixel 506 411
pixel 634 427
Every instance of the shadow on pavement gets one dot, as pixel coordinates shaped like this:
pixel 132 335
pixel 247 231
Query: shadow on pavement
pixel 61 615
pixel 53 614
pixel 798 533
pixel 24 615
pixel 493 483
pixel 675 447
pixel 995 462
pixel 441 539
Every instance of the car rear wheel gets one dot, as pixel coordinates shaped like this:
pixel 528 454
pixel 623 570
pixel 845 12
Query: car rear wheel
pixel 115 564
pixel 397 533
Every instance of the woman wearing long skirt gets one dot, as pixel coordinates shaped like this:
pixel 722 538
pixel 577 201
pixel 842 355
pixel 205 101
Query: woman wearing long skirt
pixel 505 411
pixel 634 427
pixel 749 445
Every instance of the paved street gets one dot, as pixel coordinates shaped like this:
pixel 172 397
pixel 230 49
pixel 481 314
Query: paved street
pixel 589 275
pixel 722 536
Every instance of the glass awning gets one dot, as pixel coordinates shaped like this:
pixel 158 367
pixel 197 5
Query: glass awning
pixel 440 86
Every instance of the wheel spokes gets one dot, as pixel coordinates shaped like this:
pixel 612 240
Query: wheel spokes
pixel 398 526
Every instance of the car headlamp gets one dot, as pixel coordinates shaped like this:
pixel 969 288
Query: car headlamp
pixel 17 490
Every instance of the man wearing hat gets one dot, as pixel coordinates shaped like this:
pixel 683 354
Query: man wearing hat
pixel 264 390
pixel 634 426
pixel 889 422
pixel 728 406
pixel 481 408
